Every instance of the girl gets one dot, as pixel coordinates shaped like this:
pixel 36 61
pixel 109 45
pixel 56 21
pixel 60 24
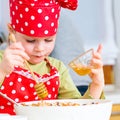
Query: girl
pixel 34 24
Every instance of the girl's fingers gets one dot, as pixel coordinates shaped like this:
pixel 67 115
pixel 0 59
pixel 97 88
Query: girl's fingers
pixel 18 63
pixel 21 54
pixel 97 54
pixel 16 45
pixel 97 63
pixel 17 52
pixel 100 47
pixel 18 58
pixel 13 56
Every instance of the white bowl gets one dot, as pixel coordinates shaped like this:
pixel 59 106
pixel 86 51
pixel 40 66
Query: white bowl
pixel 12 117
pixel 89 109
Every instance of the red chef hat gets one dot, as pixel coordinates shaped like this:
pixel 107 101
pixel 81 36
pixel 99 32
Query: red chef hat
pixel 38 18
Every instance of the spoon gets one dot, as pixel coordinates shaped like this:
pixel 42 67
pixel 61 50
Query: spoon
pixel 8 98
pixel 39 87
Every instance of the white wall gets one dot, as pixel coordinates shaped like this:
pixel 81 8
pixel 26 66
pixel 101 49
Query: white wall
pixel 117 34
pixel 0 14
pixel 96 25
pixel 94 22
pixel 4 16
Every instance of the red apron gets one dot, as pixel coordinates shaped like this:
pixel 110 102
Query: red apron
pixel 19 86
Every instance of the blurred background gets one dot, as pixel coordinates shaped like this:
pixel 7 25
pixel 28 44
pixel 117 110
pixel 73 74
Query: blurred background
pixel 94 22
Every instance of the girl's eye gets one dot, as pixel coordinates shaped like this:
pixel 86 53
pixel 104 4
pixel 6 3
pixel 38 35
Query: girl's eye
pixel 48 40
pixel 30 41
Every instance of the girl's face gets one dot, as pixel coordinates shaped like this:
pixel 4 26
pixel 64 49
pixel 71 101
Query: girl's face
pixel 36 47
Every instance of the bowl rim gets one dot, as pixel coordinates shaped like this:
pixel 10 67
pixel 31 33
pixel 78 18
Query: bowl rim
pixel 82 102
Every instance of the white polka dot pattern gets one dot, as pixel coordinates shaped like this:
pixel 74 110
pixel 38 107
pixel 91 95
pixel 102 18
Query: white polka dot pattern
pixel 26 97
pixel 31 85
pixel 16 99
pixel 2 88
pixel 13 91
pixel 1 107
pixel 22 88
pixel 19 86
pixel 11 83
pixel 35 18
pixel 19 80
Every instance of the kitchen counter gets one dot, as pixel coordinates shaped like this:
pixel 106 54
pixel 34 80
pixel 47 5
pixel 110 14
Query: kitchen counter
pixel 113 93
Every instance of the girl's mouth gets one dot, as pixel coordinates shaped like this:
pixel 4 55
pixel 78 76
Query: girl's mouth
pixel 39 56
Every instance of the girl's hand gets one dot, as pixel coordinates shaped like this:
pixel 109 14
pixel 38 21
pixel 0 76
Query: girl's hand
pixel 97 74
pixel 14 55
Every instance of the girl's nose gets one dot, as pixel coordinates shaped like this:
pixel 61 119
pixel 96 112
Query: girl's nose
pixel 39 46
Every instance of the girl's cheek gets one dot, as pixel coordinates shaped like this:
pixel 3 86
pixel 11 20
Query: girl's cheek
pixel 28 49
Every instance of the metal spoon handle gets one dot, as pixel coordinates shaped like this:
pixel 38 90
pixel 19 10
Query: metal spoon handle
pixel 8 98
